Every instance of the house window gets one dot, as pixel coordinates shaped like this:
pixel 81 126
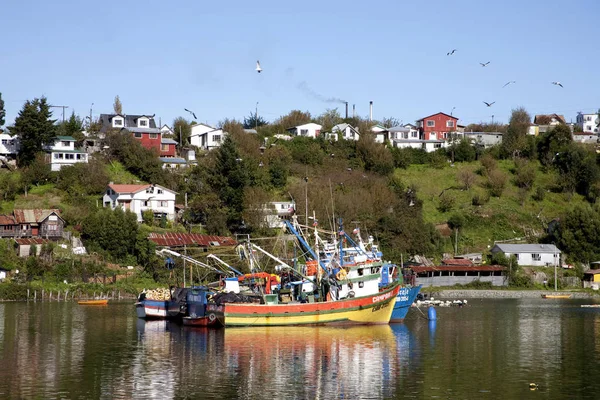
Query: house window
pixel 588 118
pixel 114 204
pixel 117 122
pixel 449 124
pixel 56 156
pixel 164 147
pixel 516 256
pixel 107 204
pixel 437 145
pixel 159 191
pixel 69 156
pixel 150 190
pixel 163 204
pixel 143 123
pixel 303 132
pixel 154 136
pixel 52 227
pixel 4 141
pixel 430 123
pixel 65 143
pixel 536 257
pixel 146 203
pixel 414 134
pixel 216 138
pixel 588 128
pixel 137 134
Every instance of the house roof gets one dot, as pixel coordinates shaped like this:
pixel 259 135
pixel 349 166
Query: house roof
pixel 168 141
pixel 411 125
pixel 561 118
pixel 7 220
pixel 250 130
pixel 457 268
pixel 447 115
pixel 311 124
pixel 30 241
pixel 142 130
pixel 465 262
pixel 65 138
pixel 526 248
pixel 592 272
pixel 180 239
pixel 173 160
pixel 118 188
pixel 32 216
pixel 129 121
pixel 398 129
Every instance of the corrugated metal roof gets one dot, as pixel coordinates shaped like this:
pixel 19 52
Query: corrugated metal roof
pixel 457 262
pixel 189 239
pixel 173 160
pixel 527 248
pixel 33 215
pixel 7 220
pixel 168 141
pixel 143 130
pixel 66 138
pixel 30 241
pixel 454 268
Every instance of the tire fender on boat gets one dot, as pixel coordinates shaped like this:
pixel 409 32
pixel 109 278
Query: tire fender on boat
pixel 212 317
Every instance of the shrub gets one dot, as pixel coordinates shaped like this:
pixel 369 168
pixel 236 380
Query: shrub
pixel 480 199
pixel 539 193
pixel 466 178
pixel 496 182
pixel 446 202
pixel 488 164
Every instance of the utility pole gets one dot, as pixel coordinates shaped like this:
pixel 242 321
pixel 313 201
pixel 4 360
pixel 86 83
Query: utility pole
pixel 91 117
pixel 256 118
pixel 63 110
pixel 492 119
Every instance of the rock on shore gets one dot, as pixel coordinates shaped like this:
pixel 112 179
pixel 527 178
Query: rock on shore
pixel 502 294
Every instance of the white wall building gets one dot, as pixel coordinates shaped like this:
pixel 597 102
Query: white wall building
pixel 9 145
pixel 139 198
pixel 206 137
pixel 277 211
pixel 413 131
pixel 588 122
pixel 380 132
pixel 63 153
pixel 311 130
pixel 535 255
pixel 347 131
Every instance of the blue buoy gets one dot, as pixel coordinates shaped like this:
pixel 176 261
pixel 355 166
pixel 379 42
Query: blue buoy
pixel 432 314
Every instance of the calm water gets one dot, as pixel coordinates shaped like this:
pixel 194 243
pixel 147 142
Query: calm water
pixel 488 350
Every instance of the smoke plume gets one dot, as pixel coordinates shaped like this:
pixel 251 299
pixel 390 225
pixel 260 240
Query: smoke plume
pixel 304 87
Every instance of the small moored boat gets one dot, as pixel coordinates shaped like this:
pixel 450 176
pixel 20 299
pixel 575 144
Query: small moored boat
pixel 101 302
pixel 557 296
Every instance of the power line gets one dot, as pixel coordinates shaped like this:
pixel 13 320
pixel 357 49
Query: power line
pixel 63 110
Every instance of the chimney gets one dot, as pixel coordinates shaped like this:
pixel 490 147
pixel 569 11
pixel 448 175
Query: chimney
pixel 371 110
pixel 353 110
pixel 346 110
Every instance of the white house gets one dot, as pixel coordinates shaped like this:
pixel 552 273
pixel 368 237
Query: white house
pixel 63 153
pixel 9 145
pixel 166 130
pixel 206 137
pixel 483 139
pixel 585 137
pixel 140 198
pixel 173 162
pixel 307 130
pixel 380 132
pixel 399 132
pixel 277 211
pixel 413 131
pixel 347 131
pixel 588 122
pixel 535 255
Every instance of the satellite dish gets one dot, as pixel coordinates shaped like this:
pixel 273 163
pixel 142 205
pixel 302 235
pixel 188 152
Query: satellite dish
pixel 258 68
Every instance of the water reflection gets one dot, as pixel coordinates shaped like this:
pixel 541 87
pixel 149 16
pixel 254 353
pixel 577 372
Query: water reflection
pixel 491 349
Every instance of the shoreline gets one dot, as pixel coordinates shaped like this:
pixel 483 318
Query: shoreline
pixel 503 294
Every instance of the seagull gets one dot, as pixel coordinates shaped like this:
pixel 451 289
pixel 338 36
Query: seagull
pixel 557 83
pixel 191 112
pixel 484 64
pixel 489 104
pixel 258 68
pixel 508 83
pixel 451 52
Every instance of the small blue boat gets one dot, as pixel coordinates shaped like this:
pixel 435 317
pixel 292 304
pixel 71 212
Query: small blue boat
pixel 404 301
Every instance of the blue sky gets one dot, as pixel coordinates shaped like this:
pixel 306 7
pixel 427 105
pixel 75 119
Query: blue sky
pixel 161 58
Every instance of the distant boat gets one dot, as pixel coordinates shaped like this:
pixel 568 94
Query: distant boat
pixel 93 302
pixel 557 296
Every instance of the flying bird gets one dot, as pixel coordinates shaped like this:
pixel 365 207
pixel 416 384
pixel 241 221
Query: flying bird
pixel 557 84
pixel 191 112
pixel 258 68
pixel 488 104
pixel 484 64
pixel 508 83
pixel 451 52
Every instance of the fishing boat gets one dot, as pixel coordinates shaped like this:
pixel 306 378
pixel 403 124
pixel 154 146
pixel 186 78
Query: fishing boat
pixel 406 297
pixel 201 313
pixel 99 302
pixel 170 303
pixel 557 296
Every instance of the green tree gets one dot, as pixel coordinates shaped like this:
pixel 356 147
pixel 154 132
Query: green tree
pixel 35 129
pixel 462 151
pixel 182 131
pixel 83 179
pixel 552 143
pixel 112 231
pixel 228 178
pixel 72 127
pixel 117 106
pixel 578 170
pixel 2 111
pixel 514 141
pixel 253 121
pixel 578 233
pixel 329 119
pixel 294 118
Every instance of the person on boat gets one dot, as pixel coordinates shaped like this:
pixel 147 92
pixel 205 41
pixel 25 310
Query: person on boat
pixel 303 296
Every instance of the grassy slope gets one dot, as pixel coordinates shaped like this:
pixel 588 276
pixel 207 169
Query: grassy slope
pixel 500 219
